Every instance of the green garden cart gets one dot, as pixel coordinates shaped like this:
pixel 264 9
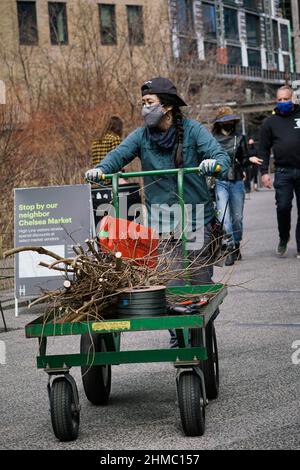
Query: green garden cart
pixel 195 359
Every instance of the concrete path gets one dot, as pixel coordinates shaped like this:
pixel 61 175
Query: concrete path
pixel 258 406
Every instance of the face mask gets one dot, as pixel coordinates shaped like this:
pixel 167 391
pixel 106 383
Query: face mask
pixel 153 114
pixel 285 107
pixel 228 127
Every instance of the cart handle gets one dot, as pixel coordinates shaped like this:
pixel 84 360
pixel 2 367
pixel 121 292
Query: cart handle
pixel 135 174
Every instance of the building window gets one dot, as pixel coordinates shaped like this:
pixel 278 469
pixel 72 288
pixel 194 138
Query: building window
pixel 253 30
pixel 210 50
pixel 231 24
pixel 234 56
pixel 276 57
pixel 58 23
pixel 135 25
pixel 284 37
pixel 209 20
pixel 286 9
pixel 108 30
pixel 28 33
pixel 254 58
pixel 275 34
pixel 188 48
pixel 287 63
pixel 253 4
pixel 185 15
pixel 186 30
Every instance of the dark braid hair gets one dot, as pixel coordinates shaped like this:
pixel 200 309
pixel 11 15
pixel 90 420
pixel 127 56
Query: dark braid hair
pixel 170 100
pixel 177 118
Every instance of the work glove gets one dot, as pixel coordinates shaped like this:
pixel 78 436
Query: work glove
pixel 208 167
pixel 93 175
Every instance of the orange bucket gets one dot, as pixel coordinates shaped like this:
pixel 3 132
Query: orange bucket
pixel 133 240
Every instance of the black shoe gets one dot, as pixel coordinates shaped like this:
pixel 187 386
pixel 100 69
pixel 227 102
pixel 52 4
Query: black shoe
pixel 282 248
pixel 229 259
pixel 237 252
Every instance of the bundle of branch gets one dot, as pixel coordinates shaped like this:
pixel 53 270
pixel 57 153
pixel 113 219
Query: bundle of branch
pixel 93 279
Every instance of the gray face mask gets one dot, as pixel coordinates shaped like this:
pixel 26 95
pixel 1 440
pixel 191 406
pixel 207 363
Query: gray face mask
pixel 153 114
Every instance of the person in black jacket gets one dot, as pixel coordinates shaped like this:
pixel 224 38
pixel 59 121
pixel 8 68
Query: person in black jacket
pixel 230 194
pixel 281 132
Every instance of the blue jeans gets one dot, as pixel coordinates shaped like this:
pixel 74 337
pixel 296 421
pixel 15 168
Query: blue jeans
pixel 234 193
pixel 286 182
pixel 202 270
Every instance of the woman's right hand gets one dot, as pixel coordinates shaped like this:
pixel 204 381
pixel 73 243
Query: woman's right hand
pixel 208 167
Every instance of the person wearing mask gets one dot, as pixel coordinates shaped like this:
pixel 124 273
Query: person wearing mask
pixel 281 133
pixel 169 140
pixel 230 194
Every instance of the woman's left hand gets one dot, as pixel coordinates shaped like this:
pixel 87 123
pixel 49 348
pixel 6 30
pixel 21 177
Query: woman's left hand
pixel 256 160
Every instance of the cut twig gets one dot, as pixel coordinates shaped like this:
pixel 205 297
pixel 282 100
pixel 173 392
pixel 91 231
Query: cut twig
pixel 38 249
pixel 55 268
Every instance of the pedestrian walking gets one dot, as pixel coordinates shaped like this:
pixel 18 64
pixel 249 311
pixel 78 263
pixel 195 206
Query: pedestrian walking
pixel 110 139
pixel 230 194
pixel 281 133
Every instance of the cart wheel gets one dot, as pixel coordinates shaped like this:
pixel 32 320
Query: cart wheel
pixel 210 367
pixel 191 403
pixel 96 379
pixel 64 415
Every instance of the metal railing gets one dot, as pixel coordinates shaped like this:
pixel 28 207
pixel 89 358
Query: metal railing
pixel 256 73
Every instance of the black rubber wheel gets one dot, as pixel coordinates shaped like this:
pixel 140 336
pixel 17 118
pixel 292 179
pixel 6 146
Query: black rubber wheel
pixel 64 416
pixel 210 367
pixel 191 403
pixel 96 379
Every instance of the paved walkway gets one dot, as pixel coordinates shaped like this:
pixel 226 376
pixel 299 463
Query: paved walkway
pixel 258 406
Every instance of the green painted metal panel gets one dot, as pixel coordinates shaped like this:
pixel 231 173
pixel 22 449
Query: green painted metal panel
pixel 136 324
pixel 123 357
pixel 201 290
